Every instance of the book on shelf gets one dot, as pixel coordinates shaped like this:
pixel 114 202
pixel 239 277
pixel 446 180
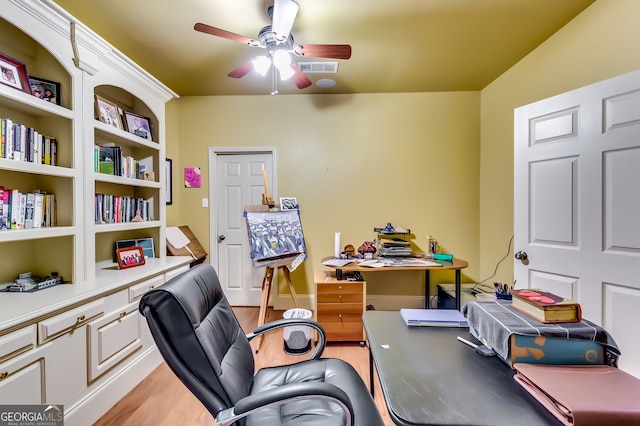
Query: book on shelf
pixel 107 160
pixel 546 307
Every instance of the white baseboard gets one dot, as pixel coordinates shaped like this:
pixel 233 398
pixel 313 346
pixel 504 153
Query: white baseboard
pixel 97 402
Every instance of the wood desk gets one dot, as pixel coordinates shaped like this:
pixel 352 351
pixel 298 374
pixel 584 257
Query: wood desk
pixel 430 378
pixel 455 265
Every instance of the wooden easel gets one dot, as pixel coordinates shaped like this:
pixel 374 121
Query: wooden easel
pixel 282 264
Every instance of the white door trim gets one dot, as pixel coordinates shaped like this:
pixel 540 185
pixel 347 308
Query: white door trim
pixel 214 153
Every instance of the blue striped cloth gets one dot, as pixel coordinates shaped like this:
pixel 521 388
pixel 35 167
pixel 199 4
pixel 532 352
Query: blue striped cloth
pixel 496 321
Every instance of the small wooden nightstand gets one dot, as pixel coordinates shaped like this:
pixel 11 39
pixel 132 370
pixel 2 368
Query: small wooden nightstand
pixel 339 305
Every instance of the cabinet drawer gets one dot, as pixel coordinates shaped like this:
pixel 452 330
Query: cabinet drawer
pixel 342 327
pixel 175 272
pixel 52 327
pixel 112 338
pixel 347 287
pixel 136 291
pixel 340 308
pixel 17 342
pixel 340 298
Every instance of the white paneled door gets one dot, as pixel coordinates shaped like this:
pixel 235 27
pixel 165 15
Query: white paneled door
pixel 577 204
pixel 238 182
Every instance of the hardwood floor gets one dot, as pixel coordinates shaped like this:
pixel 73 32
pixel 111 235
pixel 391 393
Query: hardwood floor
pixel 161 399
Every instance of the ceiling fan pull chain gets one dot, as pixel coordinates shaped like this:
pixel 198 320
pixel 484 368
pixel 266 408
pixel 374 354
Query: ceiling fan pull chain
pixel 274 79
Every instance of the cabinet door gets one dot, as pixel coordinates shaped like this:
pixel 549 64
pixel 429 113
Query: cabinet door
pixel 21 379
pixel 112 338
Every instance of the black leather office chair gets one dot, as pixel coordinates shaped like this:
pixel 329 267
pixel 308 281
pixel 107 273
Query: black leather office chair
pixel 199 337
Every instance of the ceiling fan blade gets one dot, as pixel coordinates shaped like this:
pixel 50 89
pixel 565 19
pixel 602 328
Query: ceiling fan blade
pixel 242 70
pixel 333 51
pixel 300 78
pixel 284 13
pixel 204 28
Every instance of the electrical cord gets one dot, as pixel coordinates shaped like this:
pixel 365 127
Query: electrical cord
pixel 496 269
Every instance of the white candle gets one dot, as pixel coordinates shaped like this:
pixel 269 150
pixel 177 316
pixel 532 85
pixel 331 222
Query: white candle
pixel 337 250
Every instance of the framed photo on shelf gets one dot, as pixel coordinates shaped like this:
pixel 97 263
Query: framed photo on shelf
pixel 13 73
pixel 138 125
pixel 46 90
pixel 145 243
pixel 108 112
pixel 288 203
pixel 129 257
pixel 168 184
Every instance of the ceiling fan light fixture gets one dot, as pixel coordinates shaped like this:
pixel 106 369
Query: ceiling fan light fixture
pixel 261 64
pixel 282 61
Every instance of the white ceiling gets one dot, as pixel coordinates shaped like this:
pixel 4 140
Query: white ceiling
pixel 398 45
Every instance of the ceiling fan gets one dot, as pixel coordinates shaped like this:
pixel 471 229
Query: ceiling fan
pixel 279 44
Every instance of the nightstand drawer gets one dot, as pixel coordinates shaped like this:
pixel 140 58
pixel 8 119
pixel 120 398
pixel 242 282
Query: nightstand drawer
pixel 339 308
pixel 341 326
pixel 340 298
pixel 346 288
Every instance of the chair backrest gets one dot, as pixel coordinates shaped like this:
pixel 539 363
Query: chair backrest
pixel 199 337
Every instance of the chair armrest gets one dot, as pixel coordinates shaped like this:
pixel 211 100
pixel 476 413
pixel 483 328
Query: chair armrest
pixel 284 394
pixel 273 325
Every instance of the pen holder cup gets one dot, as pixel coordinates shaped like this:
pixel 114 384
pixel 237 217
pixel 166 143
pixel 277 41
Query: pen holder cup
pixel 503 296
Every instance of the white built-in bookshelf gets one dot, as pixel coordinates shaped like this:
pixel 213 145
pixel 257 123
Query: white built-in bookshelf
pixel 80 245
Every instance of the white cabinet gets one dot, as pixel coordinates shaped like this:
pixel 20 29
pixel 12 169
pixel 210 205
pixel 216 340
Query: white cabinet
pixel 82 344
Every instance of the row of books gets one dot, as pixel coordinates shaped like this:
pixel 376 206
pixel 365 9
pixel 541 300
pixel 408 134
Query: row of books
pixel 18 210
pixel 22 143
pixel 119 209
pixel 108 159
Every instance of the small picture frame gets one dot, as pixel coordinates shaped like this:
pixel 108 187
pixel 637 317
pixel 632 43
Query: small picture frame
pixel 129 257
pixel 168 176
pixel 139 125
pixel 46 90
pixel 288 203
pixel 145 243
pixel 108 112
pixel 13 73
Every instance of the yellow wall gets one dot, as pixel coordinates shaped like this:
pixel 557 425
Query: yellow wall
pixel 353 163
pixel 600 43
pixel 438 163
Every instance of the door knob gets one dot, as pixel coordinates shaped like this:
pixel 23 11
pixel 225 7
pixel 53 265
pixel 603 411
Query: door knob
pixel 221 238
pixel 522 257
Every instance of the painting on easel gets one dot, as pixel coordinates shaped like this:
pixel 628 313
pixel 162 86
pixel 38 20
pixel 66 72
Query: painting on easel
pixel 275 234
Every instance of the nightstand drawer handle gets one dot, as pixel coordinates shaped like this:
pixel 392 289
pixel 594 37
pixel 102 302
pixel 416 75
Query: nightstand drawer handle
pixel 80 318
pixel 4 375
pixel 122 314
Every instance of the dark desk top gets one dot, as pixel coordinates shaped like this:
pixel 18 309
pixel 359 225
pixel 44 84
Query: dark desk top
pixel 428 377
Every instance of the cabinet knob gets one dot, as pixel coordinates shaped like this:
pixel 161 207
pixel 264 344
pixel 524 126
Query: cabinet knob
pixel 340 316
pixel 80 318
pixel 339 287
pixel 151 287
pixel 122 314
pixel 4 375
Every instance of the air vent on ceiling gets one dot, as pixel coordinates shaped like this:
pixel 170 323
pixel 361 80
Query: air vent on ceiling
pixel 319 67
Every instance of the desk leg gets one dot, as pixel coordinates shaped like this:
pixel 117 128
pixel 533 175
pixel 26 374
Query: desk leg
pixel 370 371
pixel 458 295
pixel 427 283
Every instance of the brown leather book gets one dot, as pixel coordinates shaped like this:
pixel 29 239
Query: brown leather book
pixel 583 395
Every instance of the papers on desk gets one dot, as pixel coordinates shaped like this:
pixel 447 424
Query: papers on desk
pixel 337 262
pixel 373 263
pixel 433 318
